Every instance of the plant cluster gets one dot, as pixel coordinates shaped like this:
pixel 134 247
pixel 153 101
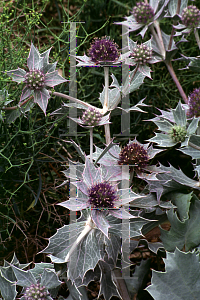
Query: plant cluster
pixel 112 213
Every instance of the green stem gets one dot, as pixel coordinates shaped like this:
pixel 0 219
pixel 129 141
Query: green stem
pixel 91 144
pixel 105 105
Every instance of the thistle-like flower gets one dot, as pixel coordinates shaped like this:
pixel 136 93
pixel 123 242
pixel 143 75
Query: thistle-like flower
pixel 190 16
pixel 40 75
pixel 134 154
pixel 36 291
pixel 194 103
pixel 97 192
pixel 143 15
pixel 178 133
pixel 103 51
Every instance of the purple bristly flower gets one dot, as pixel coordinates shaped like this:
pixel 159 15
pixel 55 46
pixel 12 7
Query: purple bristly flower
pixel 103 50
pixel 141 54
pixel 134 154
pixel 91 117
pixel 143 13
pixel 194 103
pixel 102 195
pixel 191 16
pixel 36 291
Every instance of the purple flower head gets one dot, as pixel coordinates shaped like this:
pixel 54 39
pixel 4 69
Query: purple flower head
pixel 91 117
pixel 102 195
pixel 134 154
pixel 40 75
pixel 143 13
pixel 142 54
pixel 190 16
pixel 97 191
pixel 194 103
pixel 36 291
pixel 103 50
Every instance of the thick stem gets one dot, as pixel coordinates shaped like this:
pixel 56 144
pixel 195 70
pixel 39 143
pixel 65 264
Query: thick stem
pixel 88 227
pixel 75 100
pixel 19 105
pixel 162 47
pixel 173 75
pixel 121 285
pixel 105 105
pixel 196 34
pixel 91 144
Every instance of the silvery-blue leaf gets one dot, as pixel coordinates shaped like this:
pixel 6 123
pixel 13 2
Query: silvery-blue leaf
pixel 101 156
pixel 145 70
pixel 115 82
pixel 24 278
pixel 12 115
pixel 179 115
pixel 183 233
pixel 193 126
pixel 107 287
pixel 187 269
pixel 85 257
pixel 7 288
pixel 135 83
pixel 163 140
pixel 182 202
pixel 39 268
pixel 61 242
pixel 76 293
pixel 76 169
pixel 114 97
pixel 113 247
pixel 163 125
pixel 114 173
pixel 50 279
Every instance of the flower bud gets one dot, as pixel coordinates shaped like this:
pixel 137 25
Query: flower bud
pixel 141 54
pixel 190 16
pixel 34 79
pixel 91 117
pixel 36 291
pixel 178 133
pixel 143 13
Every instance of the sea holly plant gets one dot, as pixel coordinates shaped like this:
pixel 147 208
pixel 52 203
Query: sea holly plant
pixel 111 212
pixel 41 74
